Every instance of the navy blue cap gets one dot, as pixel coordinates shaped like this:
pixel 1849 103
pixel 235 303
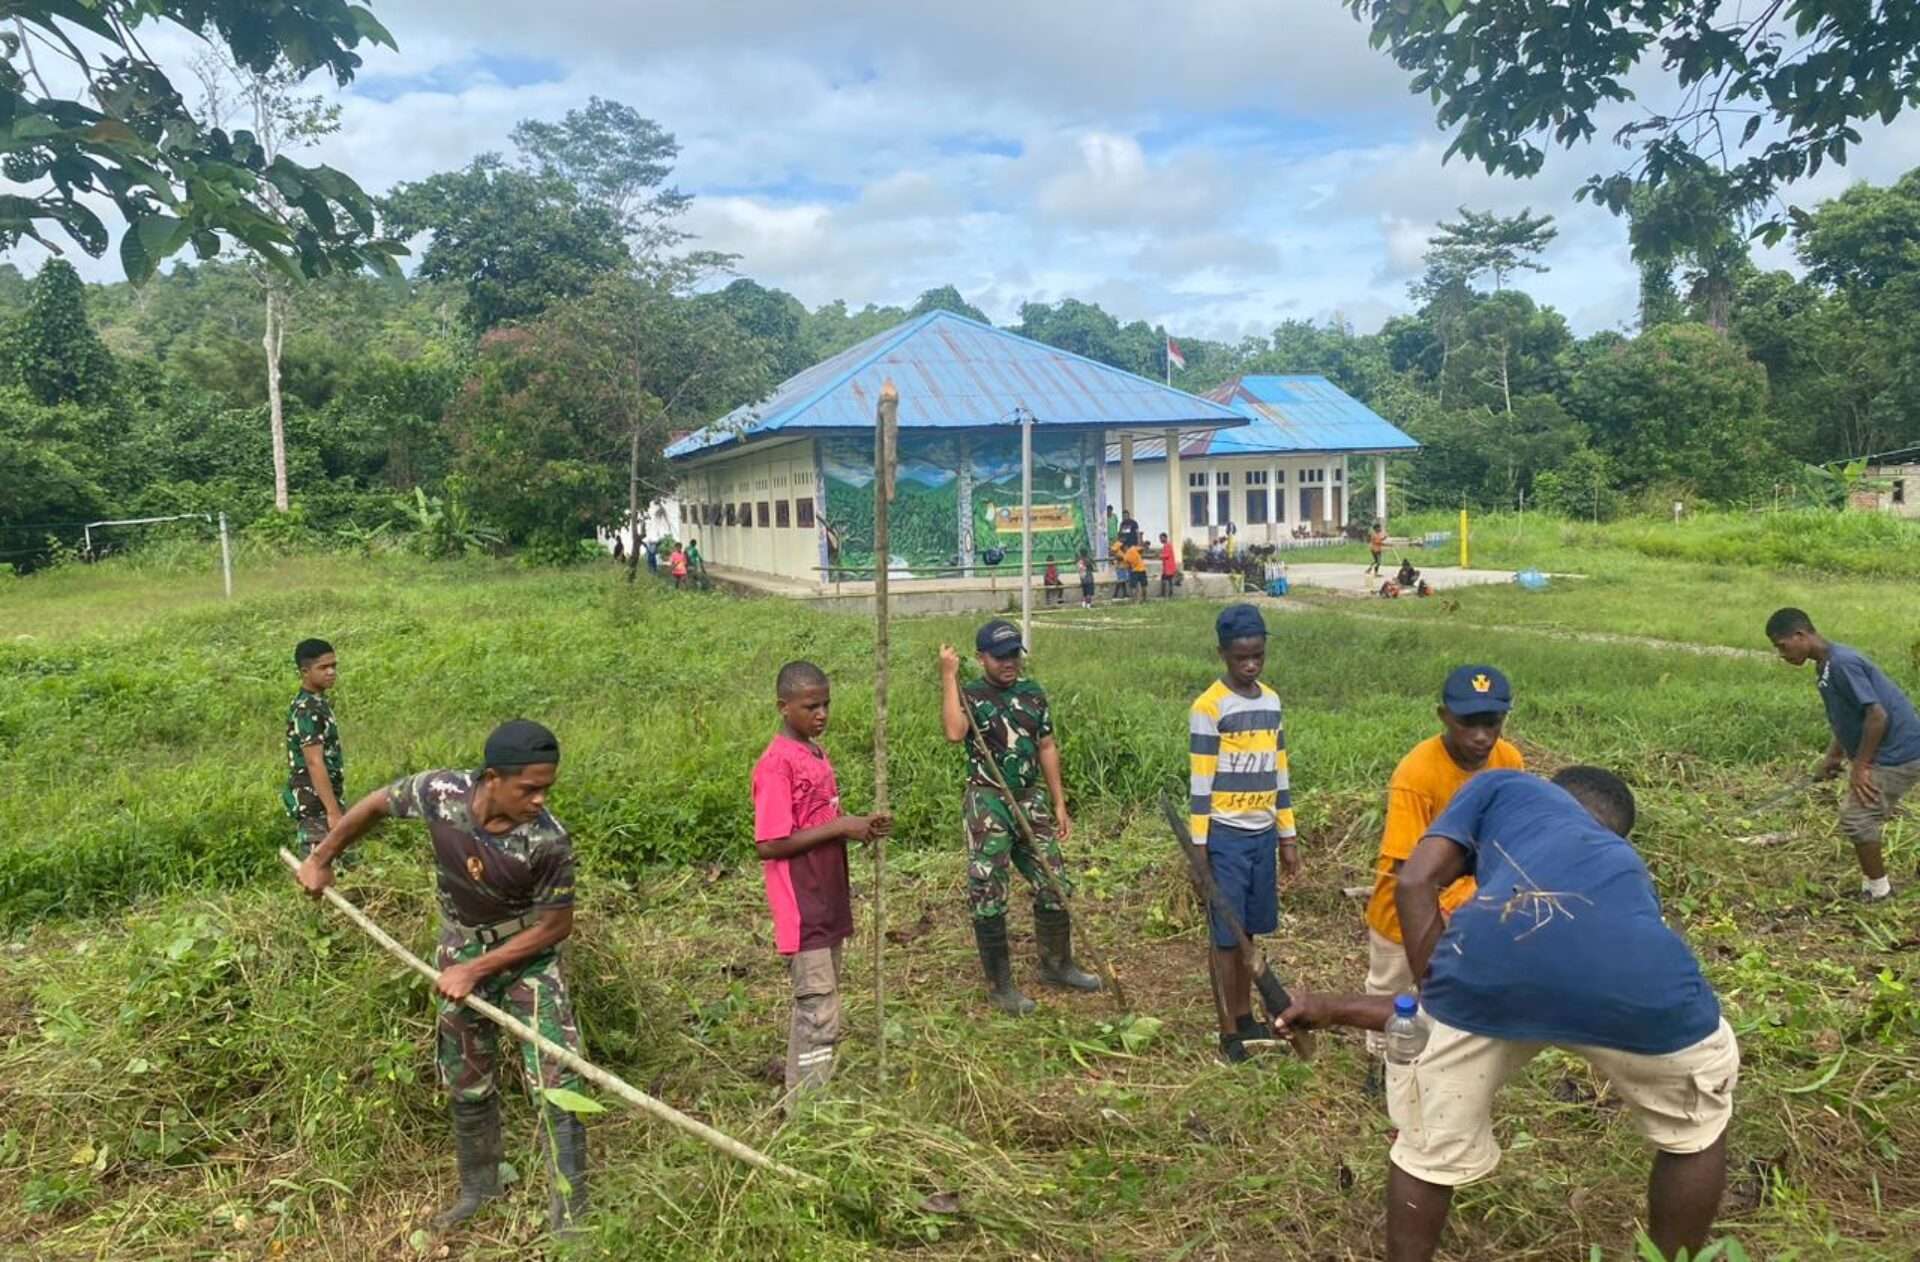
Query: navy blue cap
pixel 1239 622
pixel 998 638
pixel 1477 690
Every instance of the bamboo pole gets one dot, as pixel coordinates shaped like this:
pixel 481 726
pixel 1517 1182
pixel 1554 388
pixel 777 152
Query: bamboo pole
pixel 886 424
pixel 572 1060
pixel 1101 960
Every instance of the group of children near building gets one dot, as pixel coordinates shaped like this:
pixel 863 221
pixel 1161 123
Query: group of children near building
pixel 1475 858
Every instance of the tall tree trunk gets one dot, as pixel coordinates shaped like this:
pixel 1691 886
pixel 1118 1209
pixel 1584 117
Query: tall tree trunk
pixel 633 505
pixel 275 335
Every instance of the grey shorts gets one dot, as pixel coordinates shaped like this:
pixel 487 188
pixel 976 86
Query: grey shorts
pixel 1863 824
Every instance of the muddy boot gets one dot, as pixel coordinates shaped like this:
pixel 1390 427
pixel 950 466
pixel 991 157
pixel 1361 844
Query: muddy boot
pixel 567 1170
pixel 476 1139
pixel 1053 933
pixel 991 934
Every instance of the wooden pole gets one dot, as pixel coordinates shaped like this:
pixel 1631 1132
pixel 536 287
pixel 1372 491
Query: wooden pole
pixel 886 424
pixel 1026 529
pixel 579 1064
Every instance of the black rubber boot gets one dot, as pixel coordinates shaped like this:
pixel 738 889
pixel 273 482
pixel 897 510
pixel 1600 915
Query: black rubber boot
pixel 566 1170
pixel 476 1140
pixel 1053 934
pixel 990 933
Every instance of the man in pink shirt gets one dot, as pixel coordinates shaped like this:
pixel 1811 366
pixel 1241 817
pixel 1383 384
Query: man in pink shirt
pixel 801 834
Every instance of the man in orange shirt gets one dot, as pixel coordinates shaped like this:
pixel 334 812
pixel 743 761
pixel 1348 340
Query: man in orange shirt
pixel 1473 709
pixel 1136 571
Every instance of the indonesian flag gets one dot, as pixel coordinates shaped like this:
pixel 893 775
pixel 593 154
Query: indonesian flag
pixel 1174 357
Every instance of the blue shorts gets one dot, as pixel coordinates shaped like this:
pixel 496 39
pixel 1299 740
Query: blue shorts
pixel 1246 868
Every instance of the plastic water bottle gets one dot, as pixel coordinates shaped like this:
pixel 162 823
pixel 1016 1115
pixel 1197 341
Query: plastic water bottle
pixel 1406 1031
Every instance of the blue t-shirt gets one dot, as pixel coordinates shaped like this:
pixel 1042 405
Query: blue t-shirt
pixel 1848 684
pixel 1563 942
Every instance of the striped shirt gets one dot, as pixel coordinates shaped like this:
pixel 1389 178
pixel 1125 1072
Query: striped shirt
pixel 1238 757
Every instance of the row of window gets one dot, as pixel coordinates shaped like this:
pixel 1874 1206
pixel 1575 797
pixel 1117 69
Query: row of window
pixel 1257 504
pixel 774 514
pixel 1258 477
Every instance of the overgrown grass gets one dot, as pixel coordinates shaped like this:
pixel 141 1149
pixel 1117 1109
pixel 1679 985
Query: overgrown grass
pixel 223 1070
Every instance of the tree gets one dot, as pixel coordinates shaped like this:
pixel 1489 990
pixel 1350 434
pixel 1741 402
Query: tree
pixel 1514 75
pixel 947 298
pixel 614 159
pixel 1690 220
pixel 517 241
pixel 281 119
pixel 129 137
pixel 1486 244
pixel 773 316
pixel 54 352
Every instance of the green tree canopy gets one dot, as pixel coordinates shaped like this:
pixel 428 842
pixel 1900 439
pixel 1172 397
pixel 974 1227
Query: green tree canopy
pixel 53 351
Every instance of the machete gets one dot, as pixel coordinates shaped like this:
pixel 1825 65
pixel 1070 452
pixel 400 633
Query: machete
pixel 1273 996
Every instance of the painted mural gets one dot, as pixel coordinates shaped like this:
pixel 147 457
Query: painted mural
pixel 957 500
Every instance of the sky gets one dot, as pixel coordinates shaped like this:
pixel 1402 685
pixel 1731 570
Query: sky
pixel 1215 167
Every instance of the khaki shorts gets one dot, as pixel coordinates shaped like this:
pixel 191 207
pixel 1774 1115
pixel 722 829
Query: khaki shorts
pixel 1388 973
pixel 1443 1102
pixel 1862 825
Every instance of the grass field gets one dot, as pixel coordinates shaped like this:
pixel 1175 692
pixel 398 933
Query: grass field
pixel 194 1062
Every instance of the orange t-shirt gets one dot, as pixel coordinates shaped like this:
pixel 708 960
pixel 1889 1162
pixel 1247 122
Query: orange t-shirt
pixel 1136 562
pixel 1422 785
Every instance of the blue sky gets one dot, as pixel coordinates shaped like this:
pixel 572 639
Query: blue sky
pixel 1217 167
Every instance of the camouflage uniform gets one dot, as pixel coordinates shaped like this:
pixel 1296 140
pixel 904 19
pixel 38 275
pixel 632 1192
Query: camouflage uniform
pixel 490 887
pixel 310 722
pixel 1014 721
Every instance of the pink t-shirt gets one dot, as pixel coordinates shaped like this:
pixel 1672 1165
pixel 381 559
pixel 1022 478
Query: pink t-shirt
pixel 794 789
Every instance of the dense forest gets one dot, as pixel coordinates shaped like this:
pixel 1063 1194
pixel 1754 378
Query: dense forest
pixel 555 319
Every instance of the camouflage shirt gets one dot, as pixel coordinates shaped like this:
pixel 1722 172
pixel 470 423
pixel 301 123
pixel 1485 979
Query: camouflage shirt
pixel 310 722
pixel 1014 720
pixel 484 878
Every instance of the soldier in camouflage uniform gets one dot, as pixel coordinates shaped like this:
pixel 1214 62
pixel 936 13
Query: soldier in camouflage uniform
pixel 505 880
pixel 316 772
pixel 1013 717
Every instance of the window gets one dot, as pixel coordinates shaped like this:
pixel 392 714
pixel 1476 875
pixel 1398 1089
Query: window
pixel 1223 478
pixel 1339 475
pixel 1226 507
pixel 1899 490
pixel 1197 480
pixel 763 514
pixel 1280 477
pixel 803 512
pixel 746 516
pixel 1312 477
pixel 1197 509
pixel 730 520
pixel 1257 507
pixel 782 514
pixel 1256 477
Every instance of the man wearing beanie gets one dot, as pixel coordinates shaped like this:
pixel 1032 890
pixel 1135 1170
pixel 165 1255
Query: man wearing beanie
pixel 505 877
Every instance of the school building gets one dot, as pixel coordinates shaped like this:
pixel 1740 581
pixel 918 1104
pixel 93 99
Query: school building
pixel 1286 473
pixel 784 488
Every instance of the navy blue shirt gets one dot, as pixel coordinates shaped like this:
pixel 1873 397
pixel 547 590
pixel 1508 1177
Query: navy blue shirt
pixel 1848 684
pixel 1563 942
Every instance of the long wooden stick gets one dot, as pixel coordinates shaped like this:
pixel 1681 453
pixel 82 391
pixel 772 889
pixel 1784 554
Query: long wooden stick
pixel 1054 885
pixel 579 1064
pixel 885 426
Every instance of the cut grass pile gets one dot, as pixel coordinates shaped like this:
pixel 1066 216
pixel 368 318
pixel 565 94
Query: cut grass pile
pixel 195 1062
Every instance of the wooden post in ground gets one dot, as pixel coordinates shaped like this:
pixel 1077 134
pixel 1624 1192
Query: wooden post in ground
pixel 886 428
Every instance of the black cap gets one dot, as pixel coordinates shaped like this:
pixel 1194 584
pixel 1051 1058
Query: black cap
pixel 998 638
pixel 1239 622
pixel 1473 690
pixel 520 743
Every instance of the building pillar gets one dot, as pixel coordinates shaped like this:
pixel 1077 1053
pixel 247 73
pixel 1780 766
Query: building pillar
pixel 1346 493
pixel 1276 504
pixel 1380 488
pixel 1176 492
pixel 963 502
pixel 1126 476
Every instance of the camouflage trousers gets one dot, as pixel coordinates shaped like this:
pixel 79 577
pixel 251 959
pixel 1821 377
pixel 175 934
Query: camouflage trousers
pixel 994 844
pixel 469 1044
pixel 308 833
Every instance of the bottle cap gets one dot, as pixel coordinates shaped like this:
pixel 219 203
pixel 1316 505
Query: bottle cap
pixel 1405 1005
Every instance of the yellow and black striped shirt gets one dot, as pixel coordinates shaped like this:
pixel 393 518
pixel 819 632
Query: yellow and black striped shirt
pixel 1238 758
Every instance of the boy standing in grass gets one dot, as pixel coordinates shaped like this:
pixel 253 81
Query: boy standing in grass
pixel 1016 727
pixel 1376 544
pixel 677 565
pixel 1874 725
pixel 1169 567
pixel 316 771
pixel 1242 811
pixel 1086 580
pixel 1137 571
pixel 801 835
pixel 1474 703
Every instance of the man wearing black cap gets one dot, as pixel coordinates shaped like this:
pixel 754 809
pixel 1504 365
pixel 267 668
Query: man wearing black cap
pixel 505 877
pixel 1014 720
pixel 1474 703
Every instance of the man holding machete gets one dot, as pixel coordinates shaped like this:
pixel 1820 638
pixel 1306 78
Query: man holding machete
pixel 1015 725
pixel 1241 812
pixel 505 877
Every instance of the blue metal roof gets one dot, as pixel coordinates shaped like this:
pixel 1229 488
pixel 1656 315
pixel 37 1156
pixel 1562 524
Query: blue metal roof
pixel 1288 414
pixel 956 373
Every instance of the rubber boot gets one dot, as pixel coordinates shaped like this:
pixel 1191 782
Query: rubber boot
pixel 1053 933
pixel 476 1140
pixel 990 933
pixel 566 1170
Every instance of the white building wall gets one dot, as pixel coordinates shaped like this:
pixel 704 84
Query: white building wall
pixel 1297 484
pixel 758 511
